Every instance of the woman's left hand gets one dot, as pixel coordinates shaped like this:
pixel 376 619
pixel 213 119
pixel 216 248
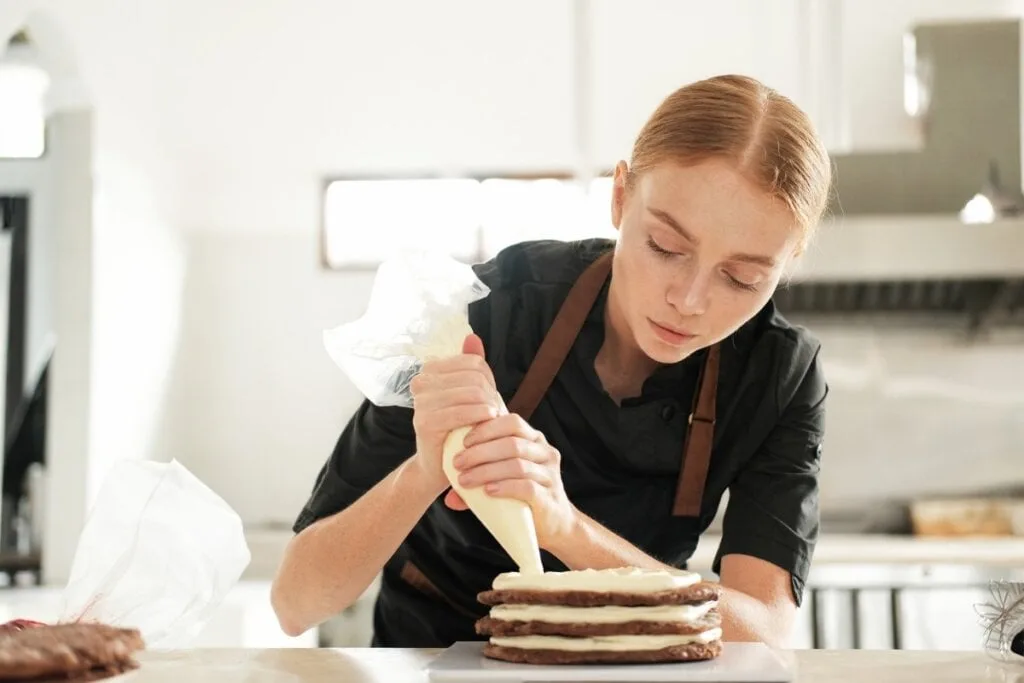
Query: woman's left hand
pixel 511 459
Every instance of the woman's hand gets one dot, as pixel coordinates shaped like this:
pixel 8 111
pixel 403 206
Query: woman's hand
pixel 448 394
pixel 511 459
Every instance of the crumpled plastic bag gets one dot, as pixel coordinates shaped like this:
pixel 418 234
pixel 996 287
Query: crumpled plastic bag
pixel 418 310
pixel 159 552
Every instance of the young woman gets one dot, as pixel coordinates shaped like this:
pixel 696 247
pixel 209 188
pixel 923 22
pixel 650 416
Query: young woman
pixel 643 377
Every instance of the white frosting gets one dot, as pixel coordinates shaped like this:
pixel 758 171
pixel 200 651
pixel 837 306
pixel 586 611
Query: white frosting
pixel 606 643
pixel 608 614
pixel 510 521
pixel 620 580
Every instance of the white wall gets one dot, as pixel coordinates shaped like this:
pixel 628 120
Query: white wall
pixel 256 404
pixel 643 50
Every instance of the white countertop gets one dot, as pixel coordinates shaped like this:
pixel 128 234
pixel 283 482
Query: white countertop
pixel 400 666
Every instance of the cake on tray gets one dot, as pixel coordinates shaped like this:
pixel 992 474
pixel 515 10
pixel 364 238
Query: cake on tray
pixel 625 615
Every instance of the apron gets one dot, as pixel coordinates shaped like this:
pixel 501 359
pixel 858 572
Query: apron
pixel 697 446
pixel 696 454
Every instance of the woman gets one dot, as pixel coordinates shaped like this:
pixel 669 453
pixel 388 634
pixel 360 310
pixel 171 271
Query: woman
pixel 726 183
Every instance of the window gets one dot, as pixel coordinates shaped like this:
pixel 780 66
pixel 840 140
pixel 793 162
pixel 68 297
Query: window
pixel 23 86
pixel 366 221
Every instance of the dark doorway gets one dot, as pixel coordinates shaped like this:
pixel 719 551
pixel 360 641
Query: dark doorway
pixel 14 214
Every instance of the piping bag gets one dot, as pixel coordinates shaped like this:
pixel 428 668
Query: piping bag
pixel 418 311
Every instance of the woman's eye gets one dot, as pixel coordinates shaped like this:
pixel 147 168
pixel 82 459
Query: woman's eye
pixel 658 249
pixel 739 284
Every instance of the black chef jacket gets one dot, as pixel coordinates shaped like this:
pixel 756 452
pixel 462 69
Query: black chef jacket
pixel 620 463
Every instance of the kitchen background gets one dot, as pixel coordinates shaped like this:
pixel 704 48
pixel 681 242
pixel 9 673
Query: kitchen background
pixel 185 211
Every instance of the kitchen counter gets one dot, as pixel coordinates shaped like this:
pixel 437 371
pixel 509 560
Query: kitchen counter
pixel 1005 551
pixel 267 547
pixel 401 666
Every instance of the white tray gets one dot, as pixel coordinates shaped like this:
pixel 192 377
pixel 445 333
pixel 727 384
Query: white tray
pixel 738 663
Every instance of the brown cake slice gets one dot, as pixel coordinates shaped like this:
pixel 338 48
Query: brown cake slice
pixel 67 650
pixel 689 595
pixel 623 615
pixel 693 652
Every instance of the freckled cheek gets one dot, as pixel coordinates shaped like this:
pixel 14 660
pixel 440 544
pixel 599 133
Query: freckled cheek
pixel 734 309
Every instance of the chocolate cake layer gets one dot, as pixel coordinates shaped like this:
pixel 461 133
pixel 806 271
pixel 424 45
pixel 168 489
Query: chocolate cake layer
pixel 675 653
pixel 489 626
pixel 689 595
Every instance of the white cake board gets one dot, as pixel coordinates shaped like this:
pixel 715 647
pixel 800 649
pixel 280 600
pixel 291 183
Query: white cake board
pixel 738 663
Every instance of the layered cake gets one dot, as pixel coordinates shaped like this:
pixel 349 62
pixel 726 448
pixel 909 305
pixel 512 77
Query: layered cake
pixel 626 615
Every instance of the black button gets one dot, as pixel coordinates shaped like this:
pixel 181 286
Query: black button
pixel 668 412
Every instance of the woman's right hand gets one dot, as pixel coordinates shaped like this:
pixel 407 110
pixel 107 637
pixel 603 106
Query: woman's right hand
pixel 448 394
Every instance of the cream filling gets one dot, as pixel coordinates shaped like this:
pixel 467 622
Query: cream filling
pixel 620 580
pixel 606 643
pixel 608 614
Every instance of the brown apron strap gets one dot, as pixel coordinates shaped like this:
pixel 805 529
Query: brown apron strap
pixel 699 439
pixel 555 347
pixel 560 337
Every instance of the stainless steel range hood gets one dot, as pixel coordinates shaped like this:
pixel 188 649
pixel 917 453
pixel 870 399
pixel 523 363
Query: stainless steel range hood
pixel 928 267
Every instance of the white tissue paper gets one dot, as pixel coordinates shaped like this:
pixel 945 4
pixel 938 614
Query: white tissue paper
pixel 159 552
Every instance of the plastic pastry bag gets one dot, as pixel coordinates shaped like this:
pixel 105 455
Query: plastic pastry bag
pixel 159 552
pixel 418 310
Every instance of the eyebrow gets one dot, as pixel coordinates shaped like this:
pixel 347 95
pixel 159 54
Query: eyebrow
pixel 666 218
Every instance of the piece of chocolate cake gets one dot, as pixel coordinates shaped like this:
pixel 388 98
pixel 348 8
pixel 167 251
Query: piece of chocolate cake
pixel 626 615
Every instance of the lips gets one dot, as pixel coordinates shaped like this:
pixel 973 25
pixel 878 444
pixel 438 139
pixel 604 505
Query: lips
pixel 671 335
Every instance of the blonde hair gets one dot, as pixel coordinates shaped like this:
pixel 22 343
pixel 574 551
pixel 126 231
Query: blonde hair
pixel 764 133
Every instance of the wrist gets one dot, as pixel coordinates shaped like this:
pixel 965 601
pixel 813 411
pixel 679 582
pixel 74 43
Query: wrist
pixel 421 477
pixel 568 536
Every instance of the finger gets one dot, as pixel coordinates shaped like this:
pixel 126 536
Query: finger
pixel 525 490
pixel 454 501
pixel 456 396
pixel 454 417
pixel 494 472
pixel 473 345
pixel 509 424
pixel 424 383
pixel 505 448
pixel 464 361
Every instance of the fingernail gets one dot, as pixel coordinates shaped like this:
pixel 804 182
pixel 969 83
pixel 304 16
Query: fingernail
pixel 491 488
pixel 459 461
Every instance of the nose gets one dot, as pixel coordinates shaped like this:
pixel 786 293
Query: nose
pixel 689 292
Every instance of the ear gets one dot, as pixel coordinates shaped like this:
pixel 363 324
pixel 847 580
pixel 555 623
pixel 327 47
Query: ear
pixel 619 193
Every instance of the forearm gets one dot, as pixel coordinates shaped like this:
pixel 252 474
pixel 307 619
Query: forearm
pixel 745 618
pixel 592 546
pixel 329 564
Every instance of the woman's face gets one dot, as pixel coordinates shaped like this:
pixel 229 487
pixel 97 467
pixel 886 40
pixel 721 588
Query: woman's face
pixel 700 251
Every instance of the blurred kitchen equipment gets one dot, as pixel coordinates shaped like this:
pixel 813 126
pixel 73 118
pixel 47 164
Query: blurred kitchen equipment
pixel 994 201
pixel 968 517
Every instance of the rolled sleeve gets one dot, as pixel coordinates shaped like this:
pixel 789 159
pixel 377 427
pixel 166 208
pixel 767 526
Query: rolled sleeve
pixel 374 442
pixel 773 508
